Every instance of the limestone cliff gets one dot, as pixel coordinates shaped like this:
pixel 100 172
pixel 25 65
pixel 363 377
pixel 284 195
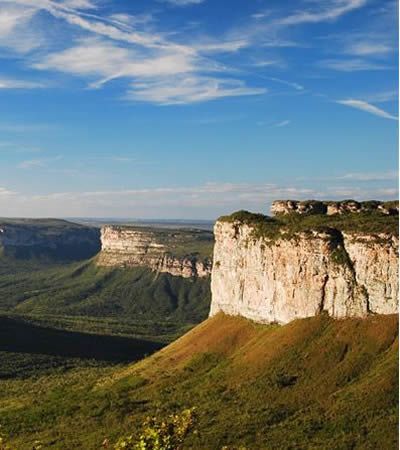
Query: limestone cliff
pixel 270 271
pixel 313 207
pixel 177 252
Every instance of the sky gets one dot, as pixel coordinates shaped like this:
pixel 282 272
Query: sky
pixel 191 109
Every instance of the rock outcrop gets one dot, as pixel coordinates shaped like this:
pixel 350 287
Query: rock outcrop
pixel 286 276
pixel 50 239
pixel 285 207
pixel 132 247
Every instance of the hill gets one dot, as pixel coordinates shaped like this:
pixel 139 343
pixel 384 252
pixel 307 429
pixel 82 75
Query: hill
pixel 314 383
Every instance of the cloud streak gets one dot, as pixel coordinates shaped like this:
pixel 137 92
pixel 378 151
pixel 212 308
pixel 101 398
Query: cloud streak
pixel 330 11
pixel 367 107
pixel 170 201
pixel 8 83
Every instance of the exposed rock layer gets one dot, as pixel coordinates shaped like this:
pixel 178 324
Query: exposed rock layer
pixel 303 275
pixel 132 247
pixel 318 207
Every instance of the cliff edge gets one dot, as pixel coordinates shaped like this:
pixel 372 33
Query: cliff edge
pixel 295 266
pixel 184 253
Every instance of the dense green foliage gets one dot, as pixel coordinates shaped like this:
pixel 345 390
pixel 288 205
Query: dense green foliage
pixel 315 383
pixel 83 289
pixel 288 225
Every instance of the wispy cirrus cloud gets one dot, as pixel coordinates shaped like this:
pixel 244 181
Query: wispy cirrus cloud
pixel 282 123
pixel 368 48
pixel 188 89
pixel 9 83
pixel 367 107
pixel 351 65
pixel 161 70
pixel 183 2
pixel 164 67
pixel 328 11
pixel 38 163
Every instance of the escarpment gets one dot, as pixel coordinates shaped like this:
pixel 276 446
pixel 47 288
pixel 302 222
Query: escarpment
pixel 49 239
pixel 177 252
pixel 284 268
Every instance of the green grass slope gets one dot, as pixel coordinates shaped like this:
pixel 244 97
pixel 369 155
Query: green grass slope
pixel 312 384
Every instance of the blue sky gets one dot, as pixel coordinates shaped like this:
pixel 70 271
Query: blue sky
pixel 194 108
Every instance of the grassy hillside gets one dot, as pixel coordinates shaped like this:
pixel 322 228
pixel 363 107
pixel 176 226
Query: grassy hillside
pixel 313 384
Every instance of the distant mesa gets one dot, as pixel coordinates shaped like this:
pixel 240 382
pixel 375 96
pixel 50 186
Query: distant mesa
pixel 312 207
pixel 183 253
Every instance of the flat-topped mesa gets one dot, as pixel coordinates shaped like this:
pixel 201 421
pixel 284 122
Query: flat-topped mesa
pixel 284 268
pixel 177 252
pixel 285 207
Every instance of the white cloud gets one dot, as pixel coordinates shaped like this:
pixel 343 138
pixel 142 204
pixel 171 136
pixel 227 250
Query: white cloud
pixel 330 11
pixel 118 49
pixel 180 90
pixel 183 2
pixel 351 65
pixel 369 176
pixel 367 107
pixel 15 33
pixel 199 201
pixel 368 49
pixel 5 192
pixel 79 4
pixel 8 83
pixel 31 164
pixel 94 56
pixel 283 123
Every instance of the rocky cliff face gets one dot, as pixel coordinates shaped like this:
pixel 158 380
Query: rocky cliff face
pixel 50 239
pixel 286 207
pixel 132 247
pixel 300 274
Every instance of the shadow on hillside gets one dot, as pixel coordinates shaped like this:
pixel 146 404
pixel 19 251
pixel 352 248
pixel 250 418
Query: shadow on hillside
pixel 21 337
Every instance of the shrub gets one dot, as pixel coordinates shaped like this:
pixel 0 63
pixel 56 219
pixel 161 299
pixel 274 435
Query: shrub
pixel 167 434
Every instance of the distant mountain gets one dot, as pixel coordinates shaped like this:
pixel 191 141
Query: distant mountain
pixel 48 240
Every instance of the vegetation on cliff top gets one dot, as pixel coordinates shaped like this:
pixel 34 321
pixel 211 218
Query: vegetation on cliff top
pixel 314 383
pixel 180 242
pixel 288 225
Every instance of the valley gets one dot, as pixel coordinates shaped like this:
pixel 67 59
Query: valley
pixel 292 342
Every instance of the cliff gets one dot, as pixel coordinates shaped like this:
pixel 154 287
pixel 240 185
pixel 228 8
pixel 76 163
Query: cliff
pixel 286 207
pixel 281 269
pixel 49 239
pixel 185 253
